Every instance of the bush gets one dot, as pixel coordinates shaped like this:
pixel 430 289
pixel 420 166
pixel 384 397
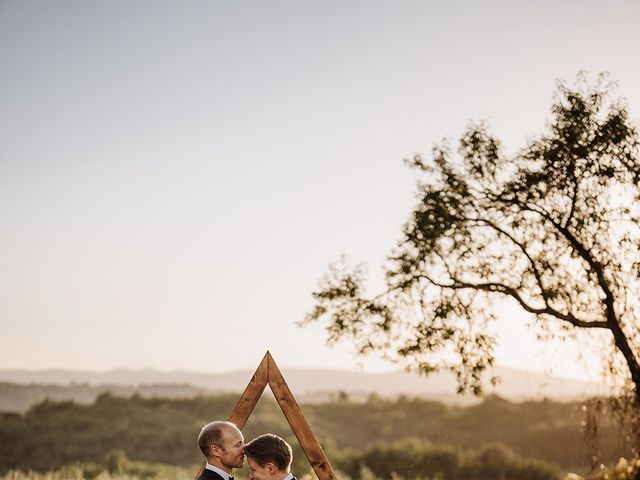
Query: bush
pixel 415 458
pixel 624 470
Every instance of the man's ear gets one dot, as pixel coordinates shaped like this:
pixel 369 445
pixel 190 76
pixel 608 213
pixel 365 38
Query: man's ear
pixel 271 468
pixel 214 450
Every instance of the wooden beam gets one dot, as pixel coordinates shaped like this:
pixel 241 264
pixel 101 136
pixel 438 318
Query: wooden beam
pixel 298 423
pixel 251 394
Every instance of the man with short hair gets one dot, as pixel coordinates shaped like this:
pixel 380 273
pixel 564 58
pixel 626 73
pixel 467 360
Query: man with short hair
pixel 269 458
pixel 222 444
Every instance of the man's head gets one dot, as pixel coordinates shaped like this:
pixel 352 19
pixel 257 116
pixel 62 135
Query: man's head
pixel 269 457
pixel 222 444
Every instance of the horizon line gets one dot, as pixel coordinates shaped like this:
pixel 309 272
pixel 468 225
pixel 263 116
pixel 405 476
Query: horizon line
pixel 159 370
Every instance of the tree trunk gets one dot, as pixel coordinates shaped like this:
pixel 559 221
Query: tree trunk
pixel 622 343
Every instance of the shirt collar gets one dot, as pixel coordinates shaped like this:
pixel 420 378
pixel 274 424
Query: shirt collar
pixel 288 477
pixel 220 472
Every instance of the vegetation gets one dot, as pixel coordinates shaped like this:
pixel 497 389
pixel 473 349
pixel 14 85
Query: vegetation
pixel 418 459
pixel 54 434
pixel 411 459
pixel 115 467
pixel 623 470
pixel 18 398
pixel 493 462
pixel 554 229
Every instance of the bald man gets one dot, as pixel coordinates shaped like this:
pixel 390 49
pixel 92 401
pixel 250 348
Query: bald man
pixel 222 445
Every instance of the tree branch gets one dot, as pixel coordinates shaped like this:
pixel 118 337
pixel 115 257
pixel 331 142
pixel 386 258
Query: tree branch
pixel 612 323
pixel 536 273
pixel 513 293
pixel 574 196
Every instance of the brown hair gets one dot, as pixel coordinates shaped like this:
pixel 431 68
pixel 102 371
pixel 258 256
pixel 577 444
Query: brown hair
pixel 270 448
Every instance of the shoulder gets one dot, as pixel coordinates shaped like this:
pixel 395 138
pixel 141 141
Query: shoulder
pixel 209 475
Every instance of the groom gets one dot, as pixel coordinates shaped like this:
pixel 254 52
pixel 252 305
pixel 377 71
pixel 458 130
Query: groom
pixel 222 444
pixel 269 458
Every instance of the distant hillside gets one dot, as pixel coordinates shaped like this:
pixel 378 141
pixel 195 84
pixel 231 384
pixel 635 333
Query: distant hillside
pixel 309 385
pixel 18 398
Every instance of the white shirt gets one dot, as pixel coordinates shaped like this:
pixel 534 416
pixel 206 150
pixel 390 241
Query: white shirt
pixel 222 473
pixel 288 477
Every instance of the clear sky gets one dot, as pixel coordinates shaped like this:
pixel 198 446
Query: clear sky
pixel 175 176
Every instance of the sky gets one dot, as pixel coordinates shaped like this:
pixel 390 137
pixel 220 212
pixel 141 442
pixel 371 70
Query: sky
pixel 176 176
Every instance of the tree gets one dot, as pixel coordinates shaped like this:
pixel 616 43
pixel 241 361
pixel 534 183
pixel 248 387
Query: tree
pixel 554 228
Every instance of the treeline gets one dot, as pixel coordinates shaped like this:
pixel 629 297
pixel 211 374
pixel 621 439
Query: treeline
pixel 53 434
pixel 414 458
pixel 19 398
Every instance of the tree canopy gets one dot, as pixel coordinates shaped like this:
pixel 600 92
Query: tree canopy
pixel 555 228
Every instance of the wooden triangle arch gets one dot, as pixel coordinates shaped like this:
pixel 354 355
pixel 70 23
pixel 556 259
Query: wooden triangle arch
pixel 269 373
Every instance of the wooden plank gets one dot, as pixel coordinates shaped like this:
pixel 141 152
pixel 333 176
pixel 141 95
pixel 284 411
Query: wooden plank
pixel 251 394
pixel 249 398
pixel 298 423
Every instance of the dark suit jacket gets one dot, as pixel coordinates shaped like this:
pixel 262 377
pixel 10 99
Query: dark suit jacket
pixel 209 475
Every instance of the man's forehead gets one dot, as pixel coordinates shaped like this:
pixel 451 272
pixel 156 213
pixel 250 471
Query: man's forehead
pixel 232 433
